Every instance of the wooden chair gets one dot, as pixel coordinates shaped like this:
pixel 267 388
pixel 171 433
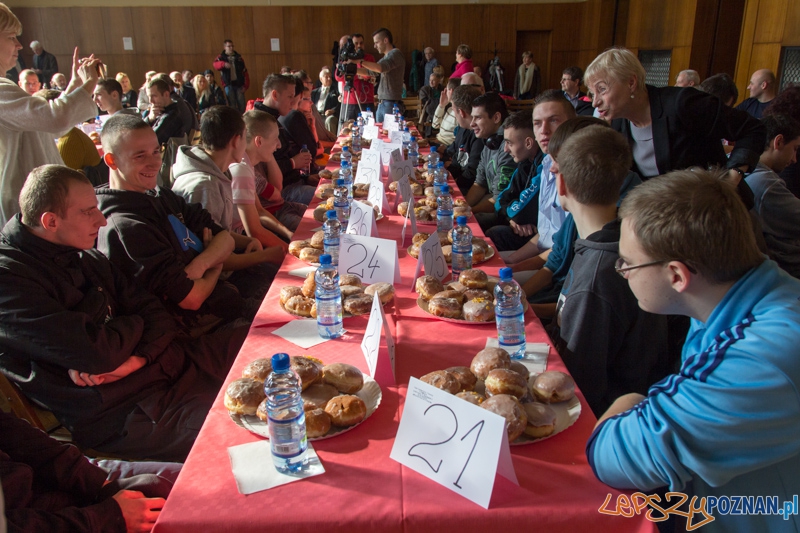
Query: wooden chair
pixel 14 401
pixel 519 105
pixel 413 107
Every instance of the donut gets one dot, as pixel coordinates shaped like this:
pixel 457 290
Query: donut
pixel 553 387
pixel 417 189
pixel 477 242
pixel 243 396
pixel 346 410
pixel 442 379
pixel 462 211
pixel 313 311
pixel 478 310
pixel 350 290
pixel 504 381
pixel 385 291
pixel 306 369
pixel 465 377
pixel 478 255
pixel 420 238
pixel 509 408
pixel 325 174
pixel 445 307
pixel 451 294
pixel 350 279
pixel 413 251
pixel 358 304
pixel 541 419
pixel 296 246
pixel 473 278
pixel 345 378
pixel 431 202
pixel 318 423
pixel 289 291
pixel 424 214
pixel 472 294
pixel 447 252
pixel 402 209
pixel 393 187
pixel 310 285
pixel 520 369
pixel 460 202
pixel 430 192
pixel 471 396
pixel 316 240
pixel 310 255
pixel 317 395
pixel 487 360
pixel 361 190
pixel 259 370
pixel 428 286
pixel 299 305
pixel 320 212
pixel 443 236
pixel 455 286
pixel 325 190
pixel 261 411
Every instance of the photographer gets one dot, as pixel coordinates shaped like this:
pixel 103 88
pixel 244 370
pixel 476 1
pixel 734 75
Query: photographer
pixel 392 66
pixel 355 88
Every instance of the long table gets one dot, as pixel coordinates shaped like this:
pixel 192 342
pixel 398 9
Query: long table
pixel 362 488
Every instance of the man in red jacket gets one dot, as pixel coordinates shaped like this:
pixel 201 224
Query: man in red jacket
pixel 235 78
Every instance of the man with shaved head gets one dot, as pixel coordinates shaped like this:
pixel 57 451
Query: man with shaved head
pixel 470 78
pixel 762 89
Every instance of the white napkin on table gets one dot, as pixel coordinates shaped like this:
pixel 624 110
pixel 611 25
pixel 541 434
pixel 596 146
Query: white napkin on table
pixel 302 332
pixel 254 470
pixel 535 358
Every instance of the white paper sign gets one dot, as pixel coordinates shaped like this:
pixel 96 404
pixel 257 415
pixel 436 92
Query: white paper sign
pixel 369 258
pixel 397 153
pixel 371 132
pixel 275 45
pixel 389 121
pixel 369 168
pixel 409 217
pixel 432 260
pixel 381 369
pixel 455 443
pixel 399 169
pixel 369 117
pixel 404 187
pixel 377 195
pixel 362 220
pixel 396 137
pixel 386 151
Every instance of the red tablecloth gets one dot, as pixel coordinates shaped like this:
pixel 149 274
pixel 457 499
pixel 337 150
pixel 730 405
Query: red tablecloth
pixel 363 489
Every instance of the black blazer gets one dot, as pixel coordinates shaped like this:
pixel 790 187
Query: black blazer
pixel 688 128
pixel 331 102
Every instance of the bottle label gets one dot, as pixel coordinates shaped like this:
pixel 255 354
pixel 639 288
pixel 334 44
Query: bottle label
pixel 288 437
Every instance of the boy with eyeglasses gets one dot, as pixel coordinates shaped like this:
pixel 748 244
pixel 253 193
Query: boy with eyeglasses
pixel 610 345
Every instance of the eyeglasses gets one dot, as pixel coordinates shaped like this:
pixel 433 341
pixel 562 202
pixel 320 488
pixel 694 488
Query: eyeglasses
pixel 620 267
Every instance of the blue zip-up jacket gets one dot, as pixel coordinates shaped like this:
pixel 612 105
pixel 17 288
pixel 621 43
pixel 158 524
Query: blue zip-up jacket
pixel 729 422
pixel 520 200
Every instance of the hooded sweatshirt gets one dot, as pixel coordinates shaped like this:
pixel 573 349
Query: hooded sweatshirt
pixel 199 180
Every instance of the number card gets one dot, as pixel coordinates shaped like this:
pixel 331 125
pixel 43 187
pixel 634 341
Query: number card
pixel 389 120
pixel 396 137
pixel 409 217
pixel 386 151
pixel 369 258
pixel 404 186
pixel 380 368
pixel 371 132
pixel 369 118
pixel 399 169
pixel 432 260
pixel 397 154
pixel 457 444
pixel 377 195
pixel 369 168
pixel 362 220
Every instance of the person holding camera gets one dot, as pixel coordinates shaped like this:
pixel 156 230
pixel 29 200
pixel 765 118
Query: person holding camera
pixel 357 90
pixel 392 68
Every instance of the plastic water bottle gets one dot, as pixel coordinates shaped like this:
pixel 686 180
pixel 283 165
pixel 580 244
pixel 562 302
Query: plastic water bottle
pixel 306 170
pixel 406 138
pixel 346 173
pixel 332 229
pixel 287 420
pixel 462 246
pixel 396 113
pixel 341 204
pixel 357 131
pixel 444 211
pixel 360 122
pixel 347 155
pixel 329 300
pixel 434 158
pixel 508 314
pixel 439 179
pixel 413 151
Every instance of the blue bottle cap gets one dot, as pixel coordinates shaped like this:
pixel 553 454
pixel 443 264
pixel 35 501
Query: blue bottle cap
pixel 345 149
pixel 340 182
pixel 413 137
pixel 461 220
pixel 325 259
pixel 440 164
pixel 280 362
pixel 505 274
pixel 445 189
pixel 331 213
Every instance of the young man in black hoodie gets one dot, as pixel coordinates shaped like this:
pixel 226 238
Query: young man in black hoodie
pixel 464 153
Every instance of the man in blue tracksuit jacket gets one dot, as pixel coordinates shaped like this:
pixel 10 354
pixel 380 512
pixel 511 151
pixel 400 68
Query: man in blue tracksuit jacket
pixel 727 427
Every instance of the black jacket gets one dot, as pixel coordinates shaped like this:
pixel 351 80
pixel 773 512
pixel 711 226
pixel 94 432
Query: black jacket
pixel 464 164
pixel 63 308
pixel 289 148
pixel 242 77
pixel 176 120
pixel 331 101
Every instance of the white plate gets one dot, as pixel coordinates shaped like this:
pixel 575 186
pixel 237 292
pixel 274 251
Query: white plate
pixel 345 314
pixel 486 257
pixel 423 304
pixel 371 394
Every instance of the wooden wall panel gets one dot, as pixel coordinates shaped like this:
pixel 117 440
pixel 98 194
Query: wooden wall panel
pixel 765 55
pixel 149 31
pixel 791 30
pixel 209 30
pixel 88 28
pixel 179 35
pixel 535 18
pixel 267 24
pixel 771 21
pixel 119 23
pixel 237 25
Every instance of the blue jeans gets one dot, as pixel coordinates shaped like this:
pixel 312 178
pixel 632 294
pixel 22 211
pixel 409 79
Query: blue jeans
pixel 385 107
pixel 235 97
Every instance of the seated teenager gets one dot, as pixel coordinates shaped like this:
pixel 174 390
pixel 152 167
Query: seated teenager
pixel 726 424
pixel 84 341
pixel 295 123
pixel 464 154
pixel 163 114
pixel 444 117
pixel 108 97
pixel 610 346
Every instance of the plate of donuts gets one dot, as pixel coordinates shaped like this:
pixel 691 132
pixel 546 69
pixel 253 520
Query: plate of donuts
pixel 535 406
pixel 356 298
pixel 336 397
pixel 479 254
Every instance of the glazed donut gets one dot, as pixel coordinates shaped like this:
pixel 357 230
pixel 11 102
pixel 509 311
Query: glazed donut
pixel 431 202
pixel 466 378
pixel 261 412
pixel 447 252
pixel 402 209
pixel 487 360
pixel 316 240
pixel 460 202
pixel 310 255
pixel 361 190
pixel 442 379
pixel 471 396
pixel 310 285
pixel 345 378
pixel 385 291
pixel 346 410
pixel 325 174
pixel 259 370
pixel 358 304
pixel 504 381
pixel 541 419
pixel 473 294
pixel 317 395
pixel 553 387
pixel 243 396
pixel 413 251
pixel 520 369
pixel 350 290
pixel 417 189
pixel 444 307
pixel 320 212
pixel 477 242
pixel 420 238
pixel 325 190
pixel 509 408
pixel 428 286
pixel 423 214
pixel 443 235
pixel 478 255
pixel 478 310
pixel 288 292
pixel 455 286
pixel 473 278
pixel 318 423
pixel 313 311
pixel 462 211
pixel 429 192
pixel 296 246
pixel 306 369
pixel 451 294
pixel 393 187
pixel 299 305
pixel 350 279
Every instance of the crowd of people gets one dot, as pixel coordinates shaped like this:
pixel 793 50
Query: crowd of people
pixel 652 229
